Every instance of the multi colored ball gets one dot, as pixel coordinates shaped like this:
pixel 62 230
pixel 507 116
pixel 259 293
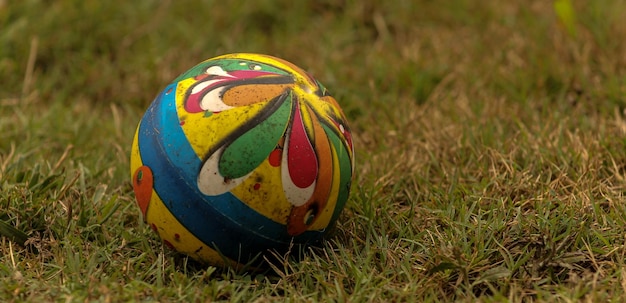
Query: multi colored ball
pixel 242 155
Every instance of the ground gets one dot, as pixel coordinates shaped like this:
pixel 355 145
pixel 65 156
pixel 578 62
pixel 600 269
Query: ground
pixel 489 138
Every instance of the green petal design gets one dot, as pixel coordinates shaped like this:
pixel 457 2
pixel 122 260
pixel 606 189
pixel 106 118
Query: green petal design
pixel 345 171
pixel 228 65
pixel 247 152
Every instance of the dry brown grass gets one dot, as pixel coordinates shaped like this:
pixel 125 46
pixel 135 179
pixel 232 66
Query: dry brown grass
pixel 490 148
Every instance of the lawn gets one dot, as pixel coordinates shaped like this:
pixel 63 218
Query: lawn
pixel 490 144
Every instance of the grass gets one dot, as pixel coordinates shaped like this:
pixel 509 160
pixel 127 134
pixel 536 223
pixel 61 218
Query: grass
pixel 490 140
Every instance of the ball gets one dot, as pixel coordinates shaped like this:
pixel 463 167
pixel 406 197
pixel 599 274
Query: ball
pixel 242 155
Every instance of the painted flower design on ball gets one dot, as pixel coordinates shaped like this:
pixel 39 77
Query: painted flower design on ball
pixel 241 154
pixel 289 127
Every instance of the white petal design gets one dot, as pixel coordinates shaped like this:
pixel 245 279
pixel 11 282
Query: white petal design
pixel 217 70
pixel 210 182
pixel 212 101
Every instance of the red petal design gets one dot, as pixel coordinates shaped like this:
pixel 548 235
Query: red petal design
pixel 192 104
pixel 302 161
pixel 274 157
pixel 142 185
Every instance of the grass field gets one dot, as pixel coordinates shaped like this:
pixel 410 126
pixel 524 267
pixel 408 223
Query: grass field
pixel 490 142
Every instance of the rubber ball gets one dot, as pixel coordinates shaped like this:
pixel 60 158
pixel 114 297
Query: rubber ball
pixel 241 156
